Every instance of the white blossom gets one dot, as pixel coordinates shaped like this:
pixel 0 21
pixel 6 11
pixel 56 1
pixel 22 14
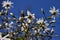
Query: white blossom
pixel 29 16
pixel 7 4
pixel 41 21
pixel 54 11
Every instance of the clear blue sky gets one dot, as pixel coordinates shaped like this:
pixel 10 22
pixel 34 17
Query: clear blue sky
pixel 34 6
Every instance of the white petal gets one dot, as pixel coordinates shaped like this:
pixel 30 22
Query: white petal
pixel 54 8
pixel 28 12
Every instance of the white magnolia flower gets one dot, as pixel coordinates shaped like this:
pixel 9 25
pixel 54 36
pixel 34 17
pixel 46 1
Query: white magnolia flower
pixel 4 38
pixel 53 11
pixel 7 4
pixel 41 21
pixel 30 16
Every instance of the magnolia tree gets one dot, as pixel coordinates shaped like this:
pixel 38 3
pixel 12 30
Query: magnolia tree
pixel 26 27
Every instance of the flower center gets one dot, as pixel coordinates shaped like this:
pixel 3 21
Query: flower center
pixel 29 16
pixel 7 5
pixel 54 13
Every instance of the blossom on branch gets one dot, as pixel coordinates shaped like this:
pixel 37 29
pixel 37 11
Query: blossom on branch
pixel 7 4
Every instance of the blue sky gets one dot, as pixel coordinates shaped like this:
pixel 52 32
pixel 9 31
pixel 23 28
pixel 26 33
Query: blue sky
pixel 34 6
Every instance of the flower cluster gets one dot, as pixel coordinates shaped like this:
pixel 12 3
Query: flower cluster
pixel 26 27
